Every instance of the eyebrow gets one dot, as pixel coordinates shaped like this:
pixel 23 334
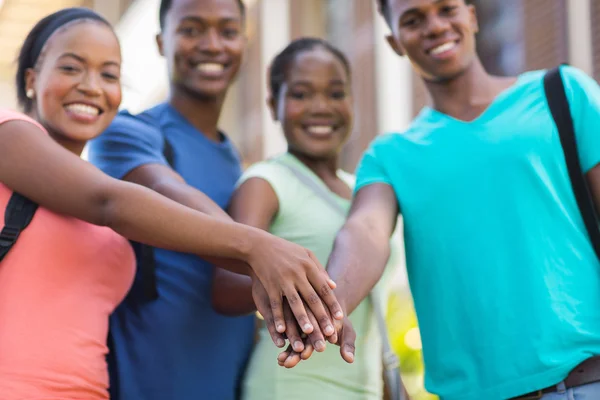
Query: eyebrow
pixel 416 10
pixel 309 83
pixel 82 60
pixel 200 20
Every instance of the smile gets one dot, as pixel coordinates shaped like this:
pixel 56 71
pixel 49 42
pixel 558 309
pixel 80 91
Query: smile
pixel 320 130
pixel 210 68
pixel 443 48
pixel 83 109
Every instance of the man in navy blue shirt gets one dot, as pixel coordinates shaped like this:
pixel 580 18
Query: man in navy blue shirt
pixel 175 346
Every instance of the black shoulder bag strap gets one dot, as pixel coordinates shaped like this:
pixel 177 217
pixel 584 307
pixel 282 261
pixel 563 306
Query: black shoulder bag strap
pixel 18 214
pixel 146 253
pixel 559 107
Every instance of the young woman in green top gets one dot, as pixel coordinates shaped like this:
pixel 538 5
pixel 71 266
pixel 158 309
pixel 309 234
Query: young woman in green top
pixel 310 95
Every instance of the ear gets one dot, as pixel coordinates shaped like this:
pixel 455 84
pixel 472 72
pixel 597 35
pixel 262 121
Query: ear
pixel 473 18
pixel 159 44
pixel 272 105
pixel 394 44
pixel 29 79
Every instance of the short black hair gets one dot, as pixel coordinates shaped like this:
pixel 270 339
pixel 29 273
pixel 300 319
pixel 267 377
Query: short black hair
pixel 165 6
pixel 282 61
pixel 28 58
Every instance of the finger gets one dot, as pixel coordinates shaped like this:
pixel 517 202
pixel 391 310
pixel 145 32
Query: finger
pixel 307 352
pixel 292 360
pixel 276 306
pixel 318 309
pixel 295 303
pixel 264 308
pixel 292 330
pixel 319 279
pixel 347 348
pixel 316 337
pixel 284 355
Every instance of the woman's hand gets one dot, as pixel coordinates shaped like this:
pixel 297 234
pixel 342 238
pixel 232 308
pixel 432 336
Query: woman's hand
pixel 283 269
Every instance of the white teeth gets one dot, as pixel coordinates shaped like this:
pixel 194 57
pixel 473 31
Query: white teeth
pixel 320 130
pixel 83 109
pixel 210 67
pixel 442 48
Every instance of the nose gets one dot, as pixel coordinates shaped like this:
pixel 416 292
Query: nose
pixel 436 26
pixel 90 85
pixel 211 42
pixel 320 105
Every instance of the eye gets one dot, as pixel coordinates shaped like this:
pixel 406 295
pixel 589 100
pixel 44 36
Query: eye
pixel 448 10
pixel 69 69
pixel 409 22
pixel 230 33
pixel 189 31
pixel 110 77
pixel 298 95
pixel 338 95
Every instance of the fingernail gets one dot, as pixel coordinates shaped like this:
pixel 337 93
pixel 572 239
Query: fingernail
pixel 329 330
pixel 339 314
pixel 307 328
pixel 280 342
pixel 351 357
pixel 320 345
pixel 298 346
pixel 280 328
pixel 332 283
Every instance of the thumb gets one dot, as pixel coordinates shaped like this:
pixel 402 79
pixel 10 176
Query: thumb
pixel 347 344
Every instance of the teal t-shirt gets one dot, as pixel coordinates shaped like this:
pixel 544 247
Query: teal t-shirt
pixel 505 281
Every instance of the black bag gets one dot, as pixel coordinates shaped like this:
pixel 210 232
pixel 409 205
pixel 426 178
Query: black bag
pixel 559 107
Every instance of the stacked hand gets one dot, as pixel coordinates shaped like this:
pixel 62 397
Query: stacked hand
pixel 281 269
pixel 304 338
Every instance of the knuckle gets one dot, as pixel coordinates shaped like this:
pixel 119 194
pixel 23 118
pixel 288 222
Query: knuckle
pixel 275 303
pixel 293 299
pixel 324 290
pixel 313 299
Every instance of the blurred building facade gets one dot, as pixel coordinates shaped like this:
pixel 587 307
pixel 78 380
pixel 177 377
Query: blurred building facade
pixel 515 35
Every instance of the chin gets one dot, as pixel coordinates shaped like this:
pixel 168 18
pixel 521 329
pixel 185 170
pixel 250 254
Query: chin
pixel 207 92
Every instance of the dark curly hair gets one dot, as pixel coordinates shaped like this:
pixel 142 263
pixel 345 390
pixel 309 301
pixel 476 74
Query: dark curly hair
pixel 165 6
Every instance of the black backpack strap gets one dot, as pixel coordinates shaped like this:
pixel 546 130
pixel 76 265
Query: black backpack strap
pixel 559 107
pixel 18 214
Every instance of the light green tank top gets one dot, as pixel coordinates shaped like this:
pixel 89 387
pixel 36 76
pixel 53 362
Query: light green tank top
pixel 306 219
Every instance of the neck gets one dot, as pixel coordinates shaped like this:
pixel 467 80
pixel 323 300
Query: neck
pixel 323 167
pixel 468 94
pixel 75 147
pixel 203 114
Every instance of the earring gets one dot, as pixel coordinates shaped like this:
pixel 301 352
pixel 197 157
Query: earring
pixel 30 93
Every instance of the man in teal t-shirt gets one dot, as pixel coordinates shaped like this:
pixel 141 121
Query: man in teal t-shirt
pixel 505 281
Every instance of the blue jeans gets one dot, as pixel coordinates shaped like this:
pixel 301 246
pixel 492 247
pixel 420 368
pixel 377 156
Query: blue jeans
pixel 585 392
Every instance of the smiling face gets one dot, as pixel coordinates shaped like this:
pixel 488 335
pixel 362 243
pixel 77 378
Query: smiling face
pixel 76 84
pixel 314 105
pixel 438 36
pixel 203 43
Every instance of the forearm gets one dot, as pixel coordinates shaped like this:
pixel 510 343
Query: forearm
pixel 357 263
pixel 142 215
pixel 232 294
pixel 186 195
pixel 190 197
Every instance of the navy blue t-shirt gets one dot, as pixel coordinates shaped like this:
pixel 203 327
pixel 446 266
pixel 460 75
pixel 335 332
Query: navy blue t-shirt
pixel 176 347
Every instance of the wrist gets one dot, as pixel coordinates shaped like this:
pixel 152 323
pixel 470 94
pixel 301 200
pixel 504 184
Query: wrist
pixel 250 241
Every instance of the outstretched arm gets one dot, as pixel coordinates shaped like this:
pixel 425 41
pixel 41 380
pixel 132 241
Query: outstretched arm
pixel 362 247
pixel 32 164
